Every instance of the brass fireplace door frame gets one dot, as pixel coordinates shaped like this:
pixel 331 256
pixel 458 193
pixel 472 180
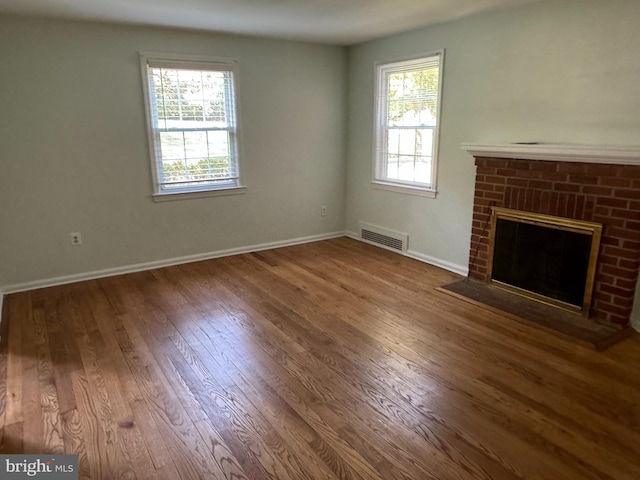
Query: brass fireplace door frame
pixel 550 221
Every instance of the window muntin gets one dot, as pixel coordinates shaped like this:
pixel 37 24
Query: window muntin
pixel 192 122
pixel 407 119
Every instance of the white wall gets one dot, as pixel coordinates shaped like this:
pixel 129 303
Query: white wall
pixel 564 71
pixel 74 152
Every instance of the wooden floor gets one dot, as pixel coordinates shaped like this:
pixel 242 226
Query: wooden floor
pixel 331 360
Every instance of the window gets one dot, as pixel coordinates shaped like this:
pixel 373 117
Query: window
pixel 407 119
pixel 191 112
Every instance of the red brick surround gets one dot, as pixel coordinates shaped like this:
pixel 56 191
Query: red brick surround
pixel 606 194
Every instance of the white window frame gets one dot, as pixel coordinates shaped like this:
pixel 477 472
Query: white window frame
pixel 161 190
pixel 382 71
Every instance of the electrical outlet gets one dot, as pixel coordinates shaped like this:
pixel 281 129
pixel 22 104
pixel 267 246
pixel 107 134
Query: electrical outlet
pixel 75 238
pixel 323 210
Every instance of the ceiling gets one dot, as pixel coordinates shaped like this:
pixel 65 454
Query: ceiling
pixel 339 22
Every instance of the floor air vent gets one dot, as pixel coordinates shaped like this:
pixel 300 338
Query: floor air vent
pixel 386 238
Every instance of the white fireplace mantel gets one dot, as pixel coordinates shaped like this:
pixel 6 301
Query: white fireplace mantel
pixel 617 155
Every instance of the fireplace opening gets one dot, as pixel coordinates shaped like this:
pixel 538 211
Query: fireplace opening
pixel 548 258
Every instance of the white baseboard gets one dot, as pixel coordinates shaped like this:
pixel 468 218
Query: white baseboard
pixel 452 267
pixel 110 272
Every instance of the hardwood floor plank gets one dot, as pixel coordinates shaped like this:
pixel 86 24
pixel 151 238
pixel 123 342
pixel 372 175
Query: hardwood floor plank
pixel 74 441
pixel 49 410
pixel 323 361
pixel 17 306
pixel 95 440
pixel 65 357
pixel 33 424
pixel 165 460
pixel 12 439
pixel 227 462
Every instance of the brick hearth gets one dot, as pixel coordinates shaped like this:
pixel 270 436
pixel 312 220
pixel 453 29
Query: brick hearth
pixel 595 192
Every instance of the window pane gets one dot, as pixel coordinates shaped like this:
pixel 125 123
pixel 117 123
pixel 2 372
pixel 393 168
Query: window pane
pixel 393 140
pixel 172 145
pixel 195 145
pixel 410 142
pixel 218 142
pixel 218 167
pixel 423 170
pixel 406 168
pixel 213 91
pixel 393 166
pixel 427 142
pixel 175 171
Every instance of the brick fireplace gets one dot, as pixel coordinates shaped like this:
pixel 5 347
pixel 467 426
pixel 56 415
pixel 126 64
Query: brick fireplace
pixel 594 184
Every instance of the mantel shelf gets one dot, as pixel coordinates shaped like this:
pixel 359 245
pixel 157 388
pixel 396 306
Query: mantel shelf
pixel 618 155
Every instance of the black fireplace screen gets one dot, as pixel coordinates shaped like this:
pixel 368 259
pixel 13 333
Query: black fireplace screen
pixel 547 261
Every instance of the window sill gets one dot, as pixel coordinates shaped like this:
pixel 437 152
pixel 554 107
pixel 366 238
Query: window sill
pixel 406 189
pixel 167 197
